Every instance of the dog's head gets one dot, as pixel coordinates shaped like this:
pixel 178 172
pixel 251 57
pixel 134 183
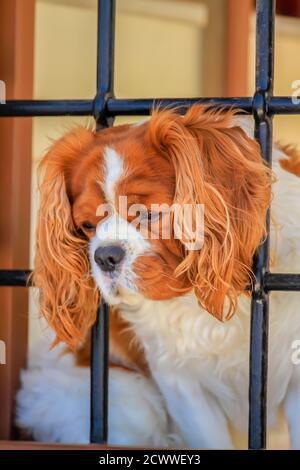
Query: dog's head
pixel 175 204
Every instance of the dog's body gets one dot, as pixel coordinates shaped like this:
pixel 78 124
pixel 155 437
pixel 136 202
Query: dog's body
pixel 193 369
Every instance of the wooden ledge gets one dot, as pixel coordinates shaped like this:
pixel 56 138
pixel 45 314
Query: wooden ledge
pixel 30 445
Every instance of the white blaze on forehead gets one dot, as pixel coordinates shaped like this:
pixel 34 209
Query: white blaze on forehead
pixel 112 230
pixel 113 170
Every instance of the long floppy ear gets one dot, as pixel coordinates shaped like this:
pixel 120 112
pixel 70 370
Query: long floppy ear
pixel 217 165
pixel 68 298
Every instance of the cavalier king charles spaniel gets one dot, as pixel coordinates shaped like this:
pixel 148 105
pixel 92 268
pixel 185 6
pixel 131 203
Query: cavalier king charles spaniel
pixel 180 298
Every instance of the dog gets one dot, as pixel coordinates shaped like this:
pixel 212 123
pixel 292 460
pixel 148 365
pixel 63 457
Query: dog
pixel 180 310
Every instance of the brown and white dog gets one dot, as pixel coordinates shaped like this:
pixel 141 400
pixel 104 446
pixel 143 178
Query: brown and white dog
pixel 178 373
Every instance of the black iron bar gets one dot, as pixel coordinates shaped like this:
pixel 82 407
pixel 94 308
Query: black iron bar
pixel 100 331
pixel 283 105
pixel 281 282
pixel 17 108
pixel 99 375
pixel 138 107
pixel 143 107
pixel 265 18
pixel 15 277
pixel 105 61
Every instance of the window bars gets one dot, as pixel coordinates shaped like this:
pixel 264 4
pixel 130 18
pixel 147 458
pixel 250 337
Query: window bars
pixel 104 108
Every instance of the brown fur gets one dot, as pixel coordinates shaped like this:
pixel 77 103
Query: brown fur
pixel 219 166
pixel 68 298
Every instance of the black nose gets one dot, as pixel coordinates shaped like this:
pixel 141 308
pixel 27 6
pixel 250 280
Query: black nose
pixel 108 257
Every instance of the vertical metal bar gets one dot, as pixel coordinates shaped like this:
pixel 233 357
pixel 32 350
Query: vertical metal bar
pixel 105 61
pixel 265 18
pixel 99 376
pixel 100 332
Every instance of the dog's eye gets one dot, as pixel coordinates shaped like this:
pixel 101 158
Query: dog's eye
pixel 88 226
pixel 148 215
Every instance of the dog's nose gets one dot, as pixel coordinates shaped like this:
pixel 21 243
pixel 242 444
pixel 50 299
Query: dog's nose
pixel 109 257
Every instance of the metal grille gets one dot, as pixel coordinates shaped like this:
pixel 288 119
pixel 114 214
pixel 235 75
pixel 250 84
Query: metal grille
pixel 263 106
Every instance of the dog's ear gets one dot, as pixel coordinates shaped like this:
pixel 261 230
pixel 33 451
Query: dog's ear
pixel 68 298
pixel 219 166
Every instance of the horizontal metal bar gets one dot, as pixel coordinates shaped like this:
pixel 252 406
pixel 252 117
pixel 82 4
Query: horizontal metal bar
pixel 283 105
pixel 142 107
pixel 281 282
pixel 16 108
pixel 15 277
pixel 114 106
pixel 138 107
pixel 271 282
